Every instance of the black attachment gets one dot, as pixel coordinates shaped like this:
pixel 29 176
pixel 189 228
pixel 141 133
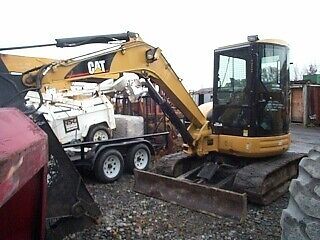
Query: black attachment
pixel 28 46
pixel 12 90
pixel 77 41
pixel 70 205
pixel 167 109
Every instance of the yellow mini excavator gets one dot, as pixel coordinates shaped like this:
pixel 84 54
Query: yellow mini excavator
pixel 234 150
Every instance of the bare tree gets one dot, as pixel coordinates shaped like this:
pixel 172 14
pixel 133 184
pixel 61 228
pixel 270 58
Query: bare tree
pixel 311 70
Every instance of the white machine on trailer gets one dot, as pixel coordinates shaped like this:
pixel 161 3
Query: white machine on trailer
pixel 85 113
pixel 90 119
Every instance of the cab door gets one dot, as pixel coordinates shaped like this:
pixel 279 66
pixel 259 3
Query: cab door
pixel 232 91
pixel 272 91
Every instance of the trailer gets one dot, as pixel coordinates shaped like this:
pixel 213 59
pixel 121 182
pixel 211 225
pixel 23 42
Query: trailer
pixel 108 159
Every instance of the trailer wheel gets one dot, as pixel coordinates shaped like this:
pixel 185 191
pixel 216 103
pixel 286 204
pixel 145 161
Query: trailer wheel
pixel 138 157
pixel 98 132
pixel 108 167
pixel 300 220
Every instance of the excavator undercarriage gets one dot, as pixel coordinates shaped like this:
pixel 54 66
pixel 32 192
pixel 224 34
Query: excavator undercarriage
pixel 218 184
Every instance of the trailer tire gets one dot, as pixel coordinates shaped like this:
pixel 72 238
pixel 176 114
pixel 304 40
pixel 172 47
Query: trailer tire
pixel 108 166
pixel 138 157
pixel 301 219
pixel 98 132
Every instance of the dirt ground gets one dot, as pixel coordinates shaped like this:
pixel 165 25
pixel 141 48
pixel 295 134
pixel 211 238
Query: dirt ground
pixel 129 215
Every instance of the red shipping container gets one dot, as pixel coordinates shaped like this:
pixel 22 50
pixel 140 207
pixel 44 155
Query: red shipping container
pixel 23 172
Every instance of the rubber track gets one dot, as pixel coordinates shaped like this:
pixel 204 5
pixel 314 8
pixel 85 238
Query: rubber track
pixel 175 164
pixel 267 179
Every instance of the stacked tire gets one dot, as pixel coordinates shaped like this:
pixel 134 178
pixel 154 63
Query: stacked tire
pixel 301 219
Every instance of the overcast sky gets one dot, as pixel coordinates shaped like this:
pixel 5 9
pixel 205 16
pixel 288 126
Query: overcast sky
pixel 186 31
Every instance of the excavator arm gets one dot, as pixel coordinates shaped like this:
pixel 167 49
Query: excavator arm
pixel 132 55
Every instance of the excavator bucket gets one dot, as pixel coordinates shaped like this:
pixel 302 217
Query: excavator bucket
pixel 70 208
pixel 199 197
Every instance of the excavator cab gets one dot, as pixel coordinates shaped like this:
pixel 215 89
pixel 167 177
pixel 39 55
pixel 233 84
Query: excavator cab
pixel 251 89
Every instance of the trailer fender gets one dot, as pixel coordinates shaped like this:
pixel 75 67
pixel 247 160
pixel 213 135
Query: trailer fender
pixel 86 128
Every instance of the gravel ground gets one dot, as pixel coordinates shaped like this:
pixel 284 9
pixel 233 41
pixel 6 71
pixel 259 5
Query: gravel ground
pixel 129 215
